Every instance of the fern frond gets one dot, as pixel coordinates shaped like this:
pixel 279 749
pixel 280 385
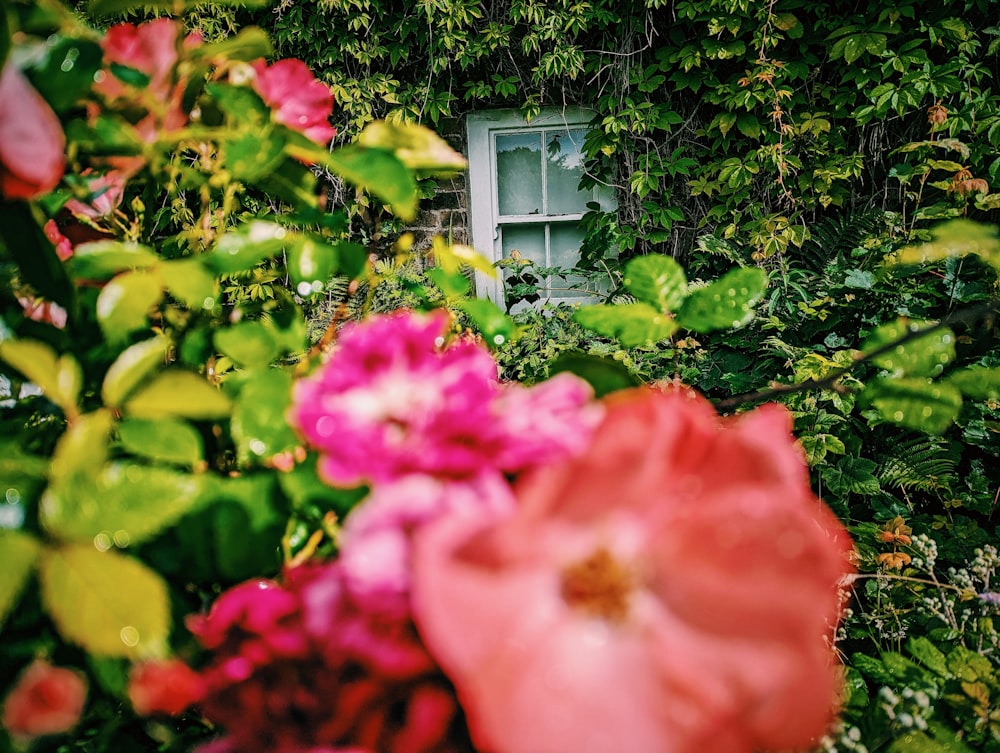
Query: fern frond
pixel 919 464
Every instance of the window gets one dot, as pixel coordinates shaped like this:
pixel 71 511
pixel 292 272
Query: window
pixel 524 193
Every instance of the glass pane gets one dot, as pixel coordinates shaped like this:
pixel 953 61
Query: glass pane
pixel 564 242
pixel 564 168
pixel 527 240
pixel 519 173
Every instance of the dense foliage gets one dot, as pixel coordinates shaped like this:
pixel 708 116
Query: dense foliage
pixel 781 170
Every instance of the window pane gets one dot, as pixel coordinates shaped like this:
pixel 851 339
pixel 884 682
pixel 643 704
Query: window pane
pixel 528 240
pixel 565 239
pixel 564 169
pixel 519 173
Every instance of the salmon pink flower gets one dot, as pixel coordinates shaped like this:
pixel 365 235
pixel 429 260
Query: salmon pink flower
pixel 164 687
pixel 672 590
pixel 394 400
pixel 296 98
pixel 32 143
pixel 46 700
pixel 46 312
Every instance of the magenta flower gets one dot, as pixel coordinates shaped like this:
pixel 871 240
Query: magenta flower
pixel 672 590
pixel 393 401
pixel 32 143
pixel 309 665
pixel 296 98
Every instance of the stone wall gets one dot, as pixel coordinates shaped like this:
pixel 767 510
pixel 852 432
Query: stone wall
pixel 446 213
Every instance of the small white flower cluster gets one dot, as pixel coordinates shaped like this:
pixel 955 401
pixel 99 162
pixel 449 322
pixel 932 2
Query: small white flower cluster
pixel 909 709
pixel 842 739
pixel 925 552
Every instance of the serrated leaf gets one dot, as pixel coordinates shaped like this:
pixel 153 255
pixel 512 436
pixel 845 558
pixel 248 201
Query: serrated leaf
pixel 164 439
pixel 125 302
pixel 924 651
pixel 18 554
pixel 58 377
pixel 633 324
pixel 101 260
pixel 109 604
pixel 603 374
pixel 183 394
pixel 726 303
pixel 190 282
pixel 925 356
pixel 247 343
pixel 816 446
pixel 977 382
pixel 657 280
pixel 125 503
pixel 851 475
pixel 131 367
pixel 245 248
pixel 259 426
pixel 917 403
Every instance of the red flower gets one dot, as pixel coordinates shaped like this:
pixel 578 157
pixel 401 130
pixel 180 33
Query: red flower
pixel 672 590
pixel 32 143
pixel 164 687
pixel 46 700
pixel 296 98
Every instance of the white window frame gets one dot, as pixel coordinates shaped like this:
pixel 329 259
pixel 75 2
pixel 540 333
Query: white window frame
pixel 484 216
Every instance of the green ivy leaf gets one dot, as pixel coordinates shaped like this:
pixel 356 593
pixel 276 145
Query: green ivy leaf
pixel 58 377
pixel 125 302
pixel 726 303
pixel 375 170
pixel 164 439
pixel 247 343
pixel 925 356
pixel 132 366
pixel 977 382
pixel 917 403
pixel 125 503
pixel 816 446
pixel 634 324
pixel 183 394
pixel 657 280
pixel 107 603
pixel 603 374
pixel 102 8
pixel 18 554
pixel 260 427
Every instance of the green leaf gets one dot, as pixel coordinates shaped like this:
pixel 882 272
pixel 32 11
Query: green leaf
pixel 955 238
pixel 924 651
pixel 253 156
pixel 603 374
pixel 36 258
pixel 633 324
pixel 82 450
pixel 925 356
pixel 248 45
pixel 260 427
pixel 292 181
pixel 726 303
pixel 124 303
pixel 917 403
pixel 122 504
pixel 164 439
pixel 131 367
pixel 452 284
pixel 377 171
pixel 245 248
pixel 311 264
pixel 18 554
pixel 977 382
pixel 416 146
pixel 102 260
pixel 816 446
pixel 496 327
pixel 58 377
pixel 657 280
pixel 190 282
pixel 107 603
pixel 183 394
pixel 66 72
pixel 102 8
pixel 247 343
pixel 851 475
pixel 918 742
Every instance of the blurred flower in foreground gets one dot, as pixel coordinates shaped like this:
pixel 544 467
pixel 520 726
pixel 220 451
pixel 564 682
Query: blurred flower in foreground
pixel 46 312
pixel 164 687
pixel 673 590
pixel 297 98
pixel 309 665
pixel 32 143
pixel 394 400
pixel 46 700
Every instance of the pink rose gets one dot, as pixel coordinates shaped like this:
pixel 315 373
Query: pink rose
pixel 45 701
pixel 674 589
pixel 32 143
pixel 164 687
pixel 296 98
pixel 106 193
pixel 46 312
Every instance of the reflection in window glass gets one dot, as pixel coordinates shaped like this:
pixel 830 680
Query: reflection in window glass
pixel 528 240
pixel 565 240
pixel 519 173
pixel 564 168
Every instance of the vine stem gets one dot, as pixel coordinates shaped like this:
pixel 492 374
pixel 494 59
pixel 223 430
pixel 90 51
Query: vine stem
pixel 830 381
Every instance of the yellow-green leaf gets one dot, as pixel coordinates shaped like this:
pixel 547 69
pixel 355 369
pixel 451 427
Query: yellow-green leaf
pixel 58 377
pixel 131 367
pixel 416 146
pixel 18 554
pixel 178 393
pixel 125 301
pixel 108 603
pixel 82 450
